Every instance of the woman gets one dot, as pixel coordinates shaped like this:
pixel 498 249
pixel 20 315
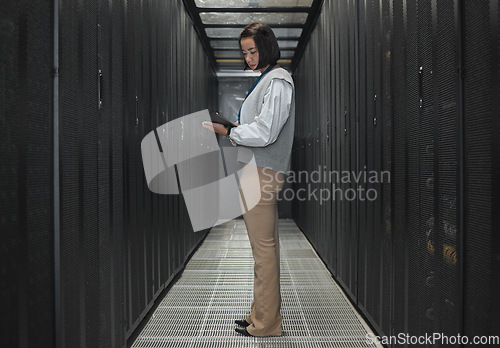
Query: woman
pixel 266 126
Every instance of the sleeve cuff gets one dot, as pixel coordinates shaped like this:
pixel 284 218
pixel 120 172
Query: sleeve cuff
pixel 232 141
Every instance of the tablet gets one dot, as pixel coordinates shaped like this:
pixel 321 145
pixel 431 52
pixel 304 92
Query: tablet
pixel 217 118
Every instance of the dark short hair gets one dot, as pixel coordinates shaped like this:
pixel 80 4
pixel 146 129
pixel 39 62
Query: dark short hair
pixel 267 45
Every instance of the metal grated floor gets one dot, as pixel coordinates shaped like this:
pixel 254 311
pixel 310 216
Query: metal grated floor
pixel 216 288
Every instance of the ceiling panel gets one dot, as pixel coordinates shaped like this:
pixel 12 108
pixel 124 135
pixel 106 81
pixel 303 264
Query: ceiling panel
pixel 287 54
pixel 233 44
pixel 275 18
pixel 252 3
pixel 227 54
pixel 287 44
pixel 225 44
pixel 235 32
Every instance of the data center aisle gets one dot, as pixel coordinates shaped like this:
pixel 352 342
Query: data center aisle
pixel 216 288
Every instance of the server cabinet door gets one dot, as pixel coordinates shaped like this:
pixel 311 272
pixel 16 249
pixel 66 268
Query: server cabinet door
pixel 79 119
pixel 482 168
pixel 347 232
pixel 110 172
pixel 27 123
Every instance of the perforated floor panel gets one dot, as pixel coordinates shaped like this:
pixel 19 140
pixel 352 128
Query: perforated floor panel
pixel 216 288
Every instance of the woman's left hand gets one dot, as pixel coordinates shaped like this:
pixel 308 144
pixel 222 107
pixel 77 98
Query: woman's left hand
pixel 216 127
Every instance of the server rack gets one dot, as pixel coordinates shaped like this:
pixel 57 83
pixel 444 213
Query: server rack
pixel 405 98
pixel 122 66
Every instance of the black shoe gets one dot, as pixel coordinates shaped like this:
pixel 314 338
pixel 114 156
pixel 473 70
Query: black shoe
pixel 243 323
pixel 243 331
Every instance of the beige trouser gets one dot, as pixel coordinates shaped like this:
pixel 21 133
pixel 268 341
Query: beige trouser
pixel 262 227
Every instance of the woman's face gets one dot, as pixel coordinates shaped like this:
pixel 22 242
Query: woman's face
pixel 250 52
